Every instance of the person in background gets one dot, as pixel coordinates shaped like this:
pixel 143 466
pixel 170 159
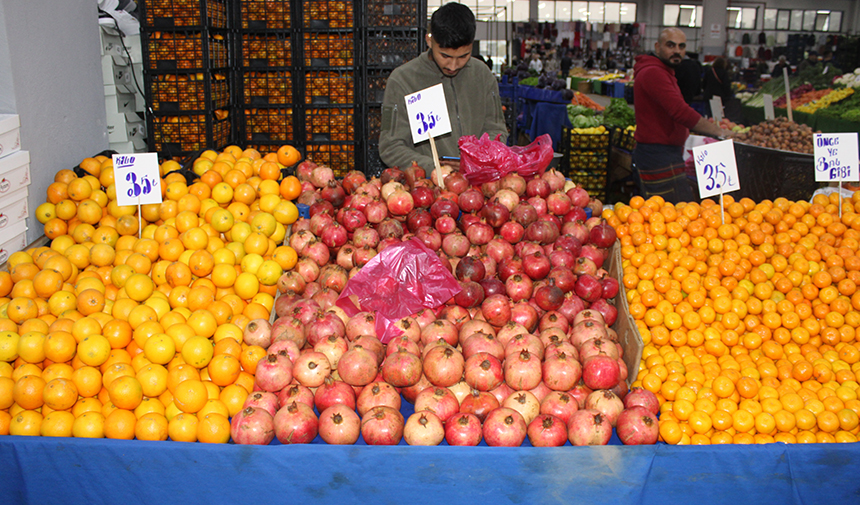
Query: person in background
pixel 664 121
pixel 536 64
pixel 717 83
pixel 489 61
pixel 777 69
pixel 471 93
pixel 551 64
pixel 810 61
pixel 566 63
pixel 689 77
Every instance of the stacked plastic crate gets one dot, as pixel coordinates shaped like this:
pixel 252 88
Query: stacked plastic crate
pixel 393 34
pixel 14 182
pixel 267 81
pixel 330 55
pixel 188 57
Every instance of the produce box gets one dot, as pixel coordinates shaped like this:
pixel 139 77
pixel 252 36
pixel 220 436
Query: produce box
pixel 623 139
pixel 267 88
pixel 13 210
pixel 188 92
pixel 594 181
pixel 391 13
pixel 10 135
pixel 265 14
pixel 14 240
pixel 339 156
pixel 14 172
pixel 374 124
pixel 374 85
pixel 173 134
pixel 330 124
pixel 329 87
pixel 268 124
pixel 184 51
pixel 323 14
pixel 329 50
pixel 589 140
pixel 625 325
pixel 767 173
pixel 267 50
pixel 391 48
pixel 186 13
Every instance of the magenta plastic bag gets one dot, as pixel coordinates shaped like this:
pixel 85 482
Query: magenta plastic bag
pixel 484 160
pixel 399 281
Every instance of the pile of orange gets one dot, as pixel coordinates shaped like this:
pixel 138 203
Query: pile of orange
pixel 131 325
pixel 749 316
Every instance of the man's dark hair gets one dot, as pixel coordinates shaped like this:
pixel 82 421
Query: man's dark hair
pixel 453 26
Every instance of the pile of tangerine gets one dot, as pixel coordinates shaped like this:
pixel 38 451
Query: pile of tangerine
pixel 108 334
pixel 750 325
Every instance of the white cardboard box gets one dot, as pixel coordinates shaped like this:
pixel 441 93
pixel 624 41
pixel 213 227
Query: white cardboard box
pixel 10 134
pixel 126 127
pixel 13 210
pixel 13 240
pixel 117 101
pixel 115 75
pixel 14 172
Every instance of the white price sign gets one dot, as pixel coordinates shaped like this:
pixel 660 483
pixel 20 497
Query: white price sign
pixel 835 157
pixel 716 168
pixel 428 113
pixel 137 179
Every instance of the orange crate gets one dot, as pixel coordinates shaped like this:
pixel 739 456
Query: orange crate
pixel 187 92
pixel 184 51
pixel 266 51
pixel 186 133
pixel 330 124
pixel 339 157
pixel 329 50
pixel 328 87
pixel 268 124
pixel 267 88
pixel 265 14
pixel 322 14
pixel 185 13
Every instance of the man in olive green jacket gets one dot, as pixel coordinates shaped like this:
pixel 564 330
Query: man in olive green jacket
pixel 471 93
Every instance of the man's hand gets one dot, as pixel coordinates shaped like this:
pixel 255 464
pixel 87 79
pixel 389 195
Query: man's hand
pixel 454 164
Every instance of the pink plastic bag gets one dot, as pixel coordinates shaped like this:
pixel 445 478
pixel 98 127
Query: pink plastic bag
pixel 484 160
pixel 399 281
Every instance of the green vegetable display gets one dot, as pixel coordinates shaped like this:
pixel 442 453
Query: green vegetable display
pixel 529 81
pixel 583 121
pixel 618 114
pixel 576 110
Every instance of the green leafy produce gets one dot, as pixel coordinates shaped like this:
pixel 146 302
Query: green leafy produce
pixel 529 81
pixel 618 114
pixel 576 110
pixel 852 115
pixel 817 76
pixel 844 109
pixel 583 121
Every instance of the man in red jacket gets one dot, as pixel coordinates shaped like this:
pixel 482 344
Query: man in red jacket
pixel 664 120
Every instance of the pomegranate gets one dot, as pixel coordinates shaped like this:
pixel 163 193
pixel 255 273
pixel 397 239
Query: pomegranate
pixel 559 404
pixel 376 394
pixel 640 397
pixel 496 309
pixel 479 403
pixel 547 431
pixel 600 372
pixel 598 347
pixel 440 401
pixel 524 402
pixel 580 393
pixel 424 428
pixel 358 366
pixel 410 393
pixel 274 372
pixel 262 400
pixel 609 312
pixel 588 427
pixel 382 425
pixel 504 427
pixel 607 403
pixel 561 372
pixel 440 329
pixel 471 294
pixel 637 426
pixel 483 371
pixel 523 370
pixel 339 425
pixel 444 366
pixel 311 369
pixel 297 393
pixel 296 423
pixel 333 392
pixel 402 368
pixel 258 332
pixel 463 430
pixel 602 235
pixel 252 426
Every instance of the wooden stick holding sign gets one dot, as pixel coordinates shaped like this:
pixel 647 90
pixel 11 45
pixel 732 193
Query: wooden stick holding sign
pixel 716 171
pixel 428 118
pixel 836 159
pixel 138 181
pixel 787 93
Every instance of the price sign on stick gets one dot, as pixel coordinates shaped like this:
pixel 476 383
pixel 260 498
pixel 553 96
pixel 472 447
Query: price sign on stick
pixel 835 157
pixel 428 113
pixel 717 109
pixel 137 179
pixel 716 169
pixel 768 108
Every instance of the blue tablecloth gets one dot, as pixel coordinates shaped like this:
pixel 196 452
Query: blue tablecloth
pixel 65 470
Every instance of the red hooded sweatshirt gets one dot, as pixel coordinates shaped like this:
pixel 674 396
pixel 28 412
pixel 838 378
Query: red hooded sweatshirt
pixel 662 115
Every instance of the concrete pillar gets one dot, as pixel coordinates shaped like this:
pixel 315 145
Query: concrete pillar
pixel 714 27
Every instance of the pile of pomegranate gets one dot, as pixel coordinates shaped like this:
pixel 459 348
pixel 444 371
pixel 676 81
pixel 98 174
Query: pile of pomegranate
pixel 525 349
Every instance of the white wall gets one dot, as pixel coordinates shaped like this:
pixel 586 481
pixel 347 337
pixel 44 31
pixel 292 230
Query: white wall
pixel 55 87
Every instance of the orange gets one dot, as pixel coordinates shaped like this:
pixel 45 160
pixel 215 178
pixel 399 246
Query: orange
pixel 58 423
pixel 26 423
pixel 28 392
pixel 60 394
pixel 151 426
pixel 89 425
pixel 125 392
pixel 183 428
pixel 119 425
pixel 224 369
pixel 213 428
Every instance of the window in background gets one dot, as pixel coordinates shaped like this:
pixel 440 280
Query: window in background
pixel 563 11
pixel 835 21
pixel 554 10
pixel 612 12
pixel 688 16
pixel 628 12
pixel 520 10
pixel 783 19
pixel 770 19
pixel 742 18
pixel 579 11
pixel 496 50
pixel 796 20
pixel 809 20
pixel 546 10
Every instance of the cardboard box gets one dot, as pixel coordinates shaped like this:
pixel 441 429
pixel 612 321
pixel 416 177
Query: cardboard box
pixel 625 325
pixel 114 74
pixel 10 134
pixel 14 172
pixel 16 241
pixel 126 127
pixel 13 210
pixel 117 101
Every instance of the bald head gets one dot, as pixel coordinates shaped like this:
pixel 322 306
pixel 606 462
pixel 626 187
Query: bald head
pixel 671 46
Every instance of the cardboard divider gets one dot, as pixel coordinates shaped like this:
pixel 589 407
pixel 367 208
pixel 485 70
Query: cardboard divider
pixel 625 326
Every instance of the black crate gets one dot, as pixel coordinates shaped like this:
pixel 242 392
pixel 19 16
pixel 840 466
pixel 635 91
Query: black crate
pixel 588 140
pixel 176 134
pixel 329 87
pixel 328 14
pixel 391 48
pixel 623 139
pixel 178 92
pixel 374 124
pixel 267 88
pixel 268 124
pixel 330 124
pixel 392 13
pixel 588 160
pixel 374 85
pixel 186 51
pixel 595 182
pixel 340 157
pixel 185 13
pixel 329 49
pixel 265 14
pixel 767 174
pixel 373 164
pixel 267 50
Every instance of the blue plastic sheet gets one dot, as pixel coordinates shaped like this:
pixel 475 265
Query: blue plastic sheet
pixel 38 470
